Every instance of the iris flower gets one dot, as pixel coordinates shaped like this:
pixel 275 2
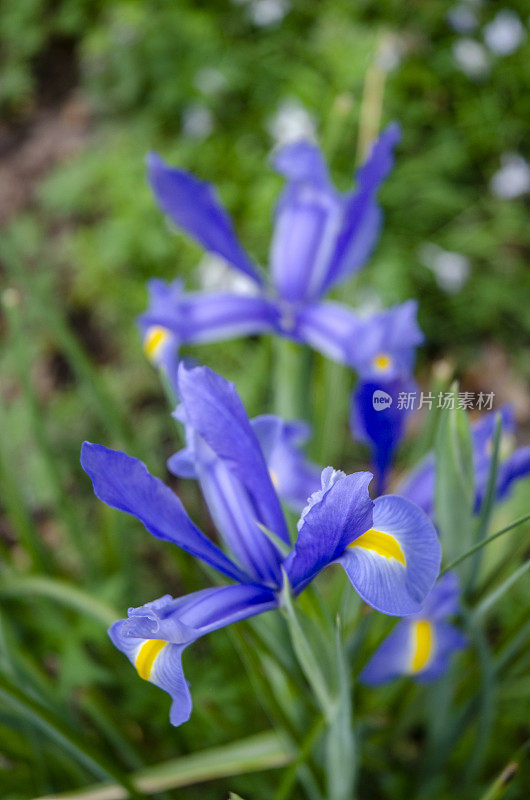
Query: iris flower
pixel 514 464
pixel 321 237
pixel 389 549
pixel 422 644
pixel 385 362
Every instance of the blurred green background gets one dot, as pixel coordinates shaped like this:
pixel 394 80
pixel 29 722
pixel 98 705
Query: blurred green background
pixel 87 89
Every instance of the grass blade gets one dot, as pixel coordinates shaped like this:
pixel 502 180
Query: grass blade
pixel 483 543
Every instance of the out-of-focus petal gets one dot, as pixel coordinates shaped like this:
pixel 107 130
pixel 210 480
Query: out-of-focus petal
pixel 377 419
pixel 394 565
pixel 294 477
pixel 391 659
pixel 124 483
pixel 362 217
pixel 443 600
pixel 210 317
pixel 154 636
pixel 335 516
pixel 385 343
pixel 447 639
pixel 328 327
pixel 307 222
pixel 418 487
pixel 192 205
pixel 516 467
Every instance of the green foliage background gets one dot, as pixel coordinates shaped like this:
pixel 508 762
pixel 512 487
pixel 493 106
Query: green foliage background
pixel 75 258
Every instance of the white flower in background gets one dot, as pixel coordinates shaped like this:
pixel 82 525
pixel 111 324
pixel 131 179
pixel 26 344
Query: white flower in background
pixel 291 122
pixel 268 12
pixel 513 178
pixel 390 52
pixel 505 33
pixel 209 80
pixel 450 269
pixel 216 276
pixel 197 122
pixel 472 58
pixel 462 18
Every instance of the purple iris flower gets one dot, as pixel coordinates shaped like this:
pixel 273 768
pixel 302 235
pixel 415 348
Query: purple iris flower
pixel 513 464
pixel 422 644
pixel 321 237
pixel 389 549
pixel 384 361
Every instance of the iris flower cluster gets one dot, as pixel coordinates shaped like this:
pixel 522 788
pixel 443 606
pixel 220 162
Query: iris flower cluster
pixel 389 548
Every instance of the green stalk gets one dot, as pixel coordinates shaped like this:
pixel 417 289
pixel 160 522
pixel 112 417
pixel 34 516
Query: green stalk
pixel 292 379
pixel 483 543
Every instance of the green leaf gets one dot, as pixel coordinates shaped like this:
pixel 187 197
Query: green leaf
pixel 254 754
pixel 454 495
pixel 484 542
pixel 340 744
pixel 491 599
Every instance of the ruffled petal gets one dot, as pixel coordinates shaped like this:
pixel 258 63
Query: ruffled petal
pixel 330 328
pixel 124 483
pixel 154 636
pixel 394 565
pixel 335 516
pixel 192 205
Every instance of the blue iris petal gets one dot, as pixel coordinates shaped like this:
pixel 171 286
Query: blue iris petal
pixel 191 204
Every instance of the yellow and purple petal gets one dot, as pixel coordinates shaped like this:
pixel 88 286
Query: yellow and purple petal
pixel 394 564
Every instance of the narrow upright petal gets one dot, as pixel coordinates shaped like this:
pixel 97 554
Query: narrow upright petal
pixel 362 217
pixel 124 483
pixel 307 222
pixel 394 564
pixel 336 514
pixel 233 473
pixel 192 205
pixel 154 636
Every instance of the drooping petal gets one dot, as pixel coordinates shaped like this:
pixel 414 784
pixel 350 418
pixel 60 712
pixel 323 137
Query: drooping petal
pixel 307 222
pixel 385 343
pixel 330 328
pixel 192 205
pixel 516 467
pixel 362 217
pixel 154 636
pixel 124 483
pixel 392 657
pixel 377 419
pixel 216 414
pixel 335 516
pixel 444 598
pixel 294 477
pixel 394 565
pixel 209 317
pixel 420 648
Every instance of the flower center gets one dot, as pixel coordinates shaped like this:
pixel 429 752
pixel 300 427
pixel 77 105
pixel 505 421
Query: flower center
pixel 382 362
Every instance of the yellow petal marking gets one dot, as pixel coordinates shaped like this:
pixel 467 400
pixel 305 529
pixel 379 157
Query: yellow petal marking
pixel 382 362
pixel 154 340
pixel 381 543
pixel 147 655
pixel 274 478
pixel 422 644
